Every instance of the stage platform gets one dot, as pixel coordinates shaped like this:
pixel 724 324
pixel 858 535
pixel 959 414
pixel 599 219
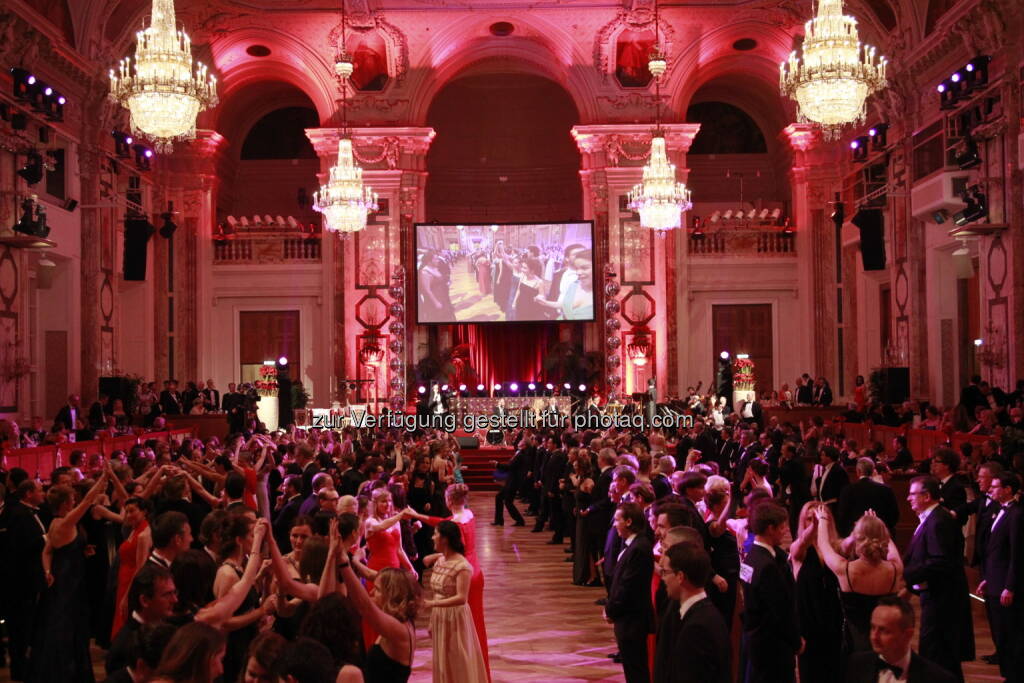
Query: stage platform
pixel 478 470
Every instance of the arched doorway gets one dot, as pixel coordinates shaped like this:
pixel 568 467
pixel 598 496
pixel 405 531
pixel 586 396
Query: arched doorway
pixel 504 153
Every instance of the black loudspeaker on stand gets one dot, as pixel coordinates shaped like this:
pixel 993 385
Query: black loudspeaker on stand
pixel 137 232
pixel 896 385
pixel 872 237
pixel 117 387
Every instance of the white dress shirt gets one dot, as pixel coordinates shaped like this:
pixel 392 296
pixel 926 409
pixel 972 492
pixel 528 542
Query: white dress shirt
pixel 689 602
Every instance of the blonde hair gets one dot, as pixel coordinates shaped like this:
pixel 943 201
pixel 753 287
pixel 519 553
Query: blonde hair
pixel 457 493
pixel 871 539
pixel 399 594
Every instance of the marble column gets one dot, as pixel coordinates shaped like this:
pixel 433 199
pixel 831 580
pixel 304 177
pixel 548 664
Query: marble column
pixel 358 267
pixel 651 268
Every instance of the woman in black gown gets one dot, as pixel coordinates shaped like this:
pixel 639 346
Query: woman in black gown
pixel 422 489
pixel 60 647
pixel 531 284
pixel 817 602
pixel 584 556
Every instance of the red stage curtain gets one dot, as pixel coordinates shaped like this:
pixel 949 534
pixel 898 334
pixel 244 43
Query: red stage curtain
pixel 505 353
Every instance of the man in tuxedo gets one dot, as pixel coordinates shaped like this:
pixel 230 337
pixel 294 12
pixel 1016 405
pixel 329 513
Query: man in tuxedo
pixel 505 500
pixel 1001 568
pixel 292 488
pixel 435 402
pixel 822 393
pixel 651 402
pixel 863 495
pixel 554 469
pixel 151 599
pixel 693 644
pixel 149 648
pixel 660 481
pixel 771 633
pixel 69 415
pixel 985 507
pixel 172 535
pixel 351 478
pixel 971 396
pixel 727 452
pixel 233 404
pixel 629 606
pixel 952 488
pixel 933 568
pixel 892 660
pixel 304 456
pixel 804 390
pixel 703 440
pixel 750 411
pixel 211 397
pixel 747 450
pixel 98 413
pixel 23 571
pixel 170 398
pixel 829 478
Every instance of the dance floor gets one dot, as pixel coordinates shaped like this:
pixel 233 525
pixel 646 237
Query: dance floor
pixel 468 301
pixel 540 626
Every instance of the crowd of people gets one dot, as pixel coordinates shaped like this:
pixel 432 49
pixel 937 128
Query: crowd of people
pixel 303 555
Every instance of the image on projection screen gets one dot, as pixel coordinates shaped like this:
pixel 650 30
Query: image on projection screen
pixel 504 273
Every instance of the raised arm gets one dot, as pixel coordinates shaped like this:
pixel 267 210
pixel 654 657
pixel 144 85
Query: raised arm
pixel 835 561
pixel 220 611
pixel 381 622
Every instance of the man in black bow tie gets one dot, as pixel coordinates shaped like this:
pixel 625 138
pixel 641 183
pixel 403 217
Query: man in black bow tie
pixel 1000 570
pixel 892 631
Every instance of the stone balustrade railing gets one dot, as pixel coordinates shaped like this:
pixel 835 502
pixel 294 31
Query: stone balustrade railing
pixel 744 243
pixel 266 248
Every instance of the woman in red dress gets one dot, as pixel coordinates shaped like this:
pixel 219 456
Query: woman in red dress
pixel 383 543
pixel 456 496
pixel 132 555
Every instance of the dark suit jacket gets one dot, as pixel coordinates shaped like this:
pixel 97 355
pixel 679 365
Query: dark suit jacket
pixel 554 469
pixel 308 472
pixel 629 598
pixel 953 497
pixel 934 560
pixel 822 396
pixel 862 668
pixel 695 649
pixel 64 417
pixel 170 402
pixel 985 508
pixel 122 648
pixel 728 456
pixel 862 495
pixel 1001 562
pixel 24 543
pixel 599 515
pixel 769 618
pixel 283 522
pixel 661 485
pixel 351 480
pixel 211 397
pixel 832 485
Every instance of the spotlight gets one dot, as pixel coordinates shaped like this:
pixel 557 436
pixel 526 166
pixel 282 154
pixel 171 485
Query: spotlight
pixel 859 148
pixel 480 387
pixel 142 156
pixel 33 219
pixel 947 94
pixel 55 105
pixel 168 228
pixel 878 136
pixel 531 386
pixel 975 207
pixel 23 83
pixel 513 387
pixel 549 386
pixel 724 355
pixel 583 388
pixel 282 360
pixel 32 171
pixel 497 387
pixel 567 386
pixel 462 388
pixel 977 72
pixel 979 342
pixel 967 156
pixel 122 144
pixel 422 389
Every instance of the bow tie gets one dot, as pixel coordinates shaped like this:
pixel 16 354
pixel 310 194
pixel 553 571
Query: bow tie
pixel 882 665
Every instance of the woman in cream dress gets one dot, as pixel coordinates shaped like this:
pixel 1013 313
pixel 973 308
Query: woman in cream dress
pixel 457 654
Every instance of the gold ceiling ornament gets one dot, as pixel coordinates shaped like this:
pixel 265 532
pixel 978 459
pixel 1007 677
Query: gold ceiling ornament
pixel 834 76
pixel 163 89
pixel 658 198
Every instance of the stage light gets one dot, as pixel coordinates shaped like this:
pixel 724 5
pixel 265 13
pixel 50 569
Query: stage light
pixel 22 82
pixel 531 386
pixel 444 387
pixel 947 94
pixel 549 386
pixel 480 387
pixel 978 342
pixel 494 228
pixel 977 72
pixel 975 207
pixel 282 361
pixel 968 156
pixel 742 356
pixel 859 148
pixel 878 136
pixel 269 362
pixel 32 171
pixel 724 355
pixel 422 389
pixel 497 387
pixel 583 388
pixel 955 77
pixel 142 156
pixel 513 387
pixel 33 219
pixel 567 386
pixel 462 388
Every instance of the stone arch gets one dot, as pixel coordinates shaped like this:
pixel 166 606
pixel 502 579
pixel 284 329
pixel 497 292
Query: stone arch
pixel 537 47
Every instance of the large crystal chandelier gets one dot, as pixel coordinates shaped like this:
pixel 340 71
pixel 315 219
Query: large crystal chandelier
pixel 162 89
pixel 835 74
pixel 344 201
pixel 659 199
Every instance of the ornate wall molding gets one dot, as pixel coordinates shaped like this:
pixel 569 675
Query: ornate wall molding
pixel 396 44
pixel 640 17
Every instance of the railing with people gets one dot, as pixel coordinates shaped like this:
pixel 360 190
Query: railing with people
pixel 267 248
pixel 40 461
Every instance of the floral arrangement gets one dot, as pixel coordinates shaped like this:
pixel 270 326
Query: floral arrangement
pixel 743 374
pixel 266 385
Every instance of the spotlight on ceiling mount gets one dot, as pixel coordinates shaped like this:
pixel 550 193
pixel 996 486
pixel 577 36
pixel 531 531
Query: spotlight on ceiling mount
pixel 977 72
pixel 878 136
pixel 975 207
pixel 967 154
pixel 859 148
pixel 32 171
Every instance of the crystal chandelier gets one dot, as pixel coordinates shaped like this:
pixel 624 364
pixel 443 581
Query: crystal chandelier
pixel 835 74
pixel 344 201
pixel 659 199
pixel 162 90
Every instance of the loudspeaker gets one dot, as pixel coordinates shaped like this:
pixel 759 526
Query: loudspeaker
pixel 468 441
pixel 897 385
pixel 117 387
pixel 137 232
pixel 872 237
